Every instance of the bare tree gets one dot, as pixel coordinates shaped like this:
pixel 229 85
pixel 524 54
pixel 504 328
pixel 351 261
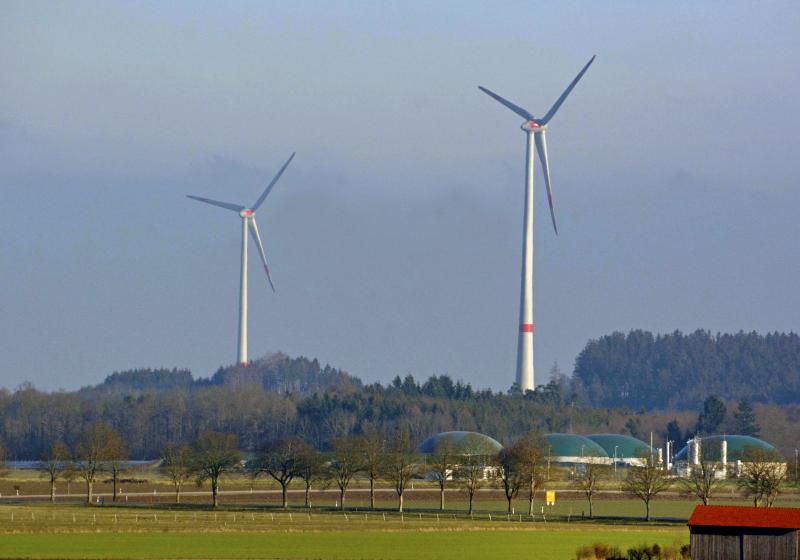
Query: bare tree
pixel 702 481
pixel 646 482
pixel 531 455
pixel 310 469
pixel 53 463
pixel 116 460
pixel 177 463
pixel 400 464
pixel 345 463
pixel 281 460
pixel 476 465
pixel 70 474
pixel 511 473
pixel 588 476
pixel 373 448
pixel 94 449
pixel 214 454
pixel 763 474
pixel 442 463
pixel 2 459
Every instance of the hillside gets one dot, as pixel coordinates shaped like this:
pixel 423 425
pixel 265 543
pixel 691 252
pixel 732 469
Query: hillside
pixel 678 371
pixel 633 384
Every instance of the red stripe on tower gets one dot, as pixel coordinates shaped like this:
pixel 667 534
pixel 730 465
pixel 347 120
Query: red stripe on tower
pixel 526 327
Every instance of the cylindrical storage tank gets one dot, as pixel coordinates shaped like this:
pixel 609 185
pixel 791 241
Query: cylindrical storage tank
pixel 669 455
pixel 724 457
pixel 694 451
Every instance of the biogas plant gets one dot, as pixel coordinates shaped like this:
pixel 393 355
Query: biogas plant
pixel 725 455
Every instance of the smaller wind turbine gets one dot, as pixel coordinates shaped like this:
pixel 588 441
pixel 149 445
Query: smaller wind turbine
pixel 248 216
pixel 535 129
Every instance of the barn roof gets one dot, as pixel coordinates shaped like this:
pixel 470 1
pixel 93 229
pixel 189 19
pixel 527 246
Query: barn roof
pixel 745 516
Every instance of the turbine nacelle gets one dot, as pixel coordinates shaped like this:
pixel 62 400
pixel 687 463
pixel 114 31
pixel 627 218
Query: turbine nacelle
pixel 533 126
pixel 247 213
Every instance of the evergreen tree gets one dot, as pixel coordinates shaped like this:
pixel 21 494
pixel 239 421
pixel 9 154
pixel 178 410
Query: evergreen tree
pixel 712 417
pixel 674 431
pixel 745 420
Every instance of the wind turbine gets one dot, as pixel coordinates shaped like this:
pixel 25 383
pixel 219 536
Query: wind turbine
pixel 248 216
pixel 535 129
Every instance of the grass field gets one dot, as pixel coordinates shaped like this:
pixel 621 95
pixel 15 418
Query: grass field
pixel 250 525
pixel 555 543
pixel 111 533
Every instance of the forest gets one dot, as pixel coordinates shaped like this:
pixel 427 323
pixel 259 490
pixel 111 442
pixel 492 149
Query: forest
pixel 678 371
pixel 280 396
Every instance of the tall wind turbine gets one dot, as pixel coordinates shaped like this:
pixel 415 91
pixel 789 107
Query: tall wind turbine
pixel 535 129
pixel 248 216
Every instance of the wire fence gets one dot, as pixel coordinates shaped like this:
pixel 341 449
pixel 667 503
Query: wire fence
pixel 125 519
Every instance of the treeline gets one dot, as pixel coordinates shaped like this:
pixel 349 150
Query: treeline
pixel 275 373
pixel 273 398
pixel 280 396
pixel 678 371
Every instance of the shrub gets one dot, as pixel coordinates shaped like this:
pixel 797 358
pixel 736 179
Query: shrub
pixel 603 551
pixel 598 551
pixel 644 552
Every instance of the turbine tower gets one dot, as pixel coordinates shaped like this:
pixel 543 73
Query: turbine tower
pixel 248 216
pixel 535 129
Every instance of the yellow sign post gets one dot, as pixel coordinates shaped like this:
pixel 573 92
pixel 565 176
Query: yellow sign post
pixel 550 498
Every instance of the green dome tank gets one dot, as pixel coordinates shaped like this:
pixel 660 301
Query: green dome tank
pixel 474 440
pixel 570 445
pixel 738 446
pixel 626 447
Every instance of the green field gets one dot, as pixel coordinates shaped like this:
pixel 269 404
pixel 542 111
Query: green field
pixel 251 525
pixel 554 543
pixel 74 532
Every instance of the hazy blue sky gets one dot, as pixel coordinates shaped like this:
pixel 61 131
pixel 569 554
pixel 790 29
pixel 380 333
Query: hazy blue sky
pixel 395 236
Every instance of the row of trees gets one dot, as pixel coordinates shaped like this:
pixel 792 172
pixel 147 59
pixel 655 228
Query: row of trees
pixel 762 478
pixel 99 450
pixel 372 456
pixel 469 464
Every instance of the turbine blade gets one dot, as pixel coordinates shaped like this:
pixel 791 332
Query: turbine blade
pixel 541 147
pixel 551 113
pixel 257 239
pixel 226 205
pixel 272 183
pixel 516 108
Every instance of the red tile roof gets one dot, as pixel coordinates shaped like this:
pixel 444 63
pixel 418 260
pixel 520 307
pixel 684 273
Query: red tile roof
pixel 741 516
